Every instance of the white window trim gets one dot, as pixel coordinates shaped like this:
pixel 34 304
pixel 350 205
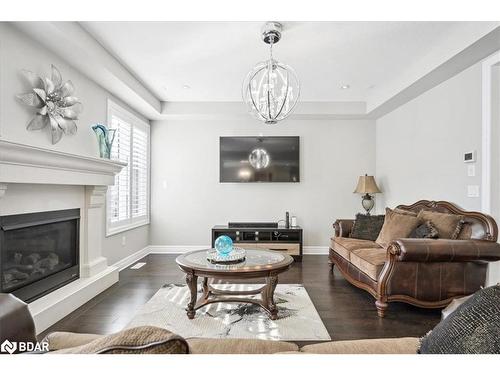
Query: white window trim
pixel 131 223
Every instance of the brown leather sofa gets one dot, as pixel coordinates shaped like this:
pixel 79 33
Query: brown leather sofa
pixel 427 273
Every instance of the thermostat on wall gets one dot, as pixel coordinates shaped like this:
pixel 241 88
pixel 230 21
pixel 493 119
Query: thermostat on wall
pixel 470 157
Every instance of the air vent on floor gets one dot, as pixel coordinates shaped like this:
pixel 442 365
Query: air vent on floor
pixel 137 265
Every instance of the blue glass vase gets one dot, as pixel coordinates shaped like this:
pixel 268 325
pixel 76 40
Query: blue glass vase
pixel 105 138
pixel 224 245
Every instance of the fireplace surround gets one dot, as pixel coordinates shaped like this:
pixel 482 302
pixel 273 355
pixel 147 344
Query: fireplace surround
pixel 39 252
pixel 62 181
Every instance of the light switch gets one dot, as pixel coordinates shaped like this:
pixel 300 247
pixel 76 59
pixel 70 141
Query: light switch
pixel 473 191
pixel 471 170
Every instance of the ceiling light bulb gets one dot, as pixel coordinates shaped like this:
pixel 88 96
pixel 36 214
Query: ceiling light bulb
pixel 344 87
pixel 186 87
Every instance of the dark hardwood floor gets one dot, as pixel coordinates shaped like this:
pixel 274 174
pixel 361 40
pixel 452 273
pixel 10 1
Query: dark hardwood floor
pixel 347 312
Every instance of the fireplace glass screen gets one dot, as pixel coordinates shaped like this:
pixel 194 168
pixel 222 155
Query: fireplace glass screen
pixel 38 252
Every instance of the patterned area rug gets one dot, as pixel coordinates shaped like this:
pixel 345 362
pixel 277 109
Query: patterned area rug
pixel 297 320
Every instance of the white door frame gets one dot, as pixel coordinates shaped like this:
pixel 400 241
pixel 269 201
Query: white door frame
pixel 488 63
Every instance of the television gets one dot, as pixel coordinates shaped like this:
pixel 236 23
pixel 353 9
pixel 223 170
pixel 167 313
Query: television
pixel 259 159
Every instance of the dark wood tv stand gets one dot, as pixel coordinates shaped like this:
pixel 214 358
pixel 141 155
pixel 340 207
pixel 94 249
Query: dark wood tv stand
pixel 286 240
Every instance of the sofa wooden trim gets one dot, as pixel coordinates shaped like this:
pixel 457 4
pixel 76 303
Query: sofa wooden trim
pixel 444 206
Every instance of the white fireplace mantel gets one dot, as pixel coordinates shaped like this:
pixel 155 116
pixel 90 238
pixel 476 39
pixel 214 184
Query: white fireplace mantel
pixel 20 163
pixel 24 164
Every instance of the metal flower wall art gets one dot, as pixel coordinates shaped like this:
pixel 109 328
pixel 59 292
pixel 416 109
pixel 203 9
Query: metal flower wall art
pixel 54 102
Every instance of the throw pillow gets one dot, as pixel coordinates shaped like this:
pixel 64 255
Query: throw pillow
pixel 405 212
pixel 466 232
pixel 396 226
pixel 473 328
pixel 448 225
pixel 367 227
pixel 137 340
pixel 425 230
pixel 453 306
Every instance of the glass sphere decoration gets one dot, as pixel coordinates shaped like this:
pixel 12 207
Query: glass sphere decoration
pixel 224 245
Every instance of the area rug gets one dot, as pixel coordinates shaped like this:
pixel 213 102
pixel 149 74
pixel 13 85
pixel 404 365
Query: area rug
pixel 297 320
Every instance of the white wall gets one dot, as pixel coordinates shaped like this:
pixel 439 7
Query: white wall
pixel 17 52
pixel 420 147
pixel 187 198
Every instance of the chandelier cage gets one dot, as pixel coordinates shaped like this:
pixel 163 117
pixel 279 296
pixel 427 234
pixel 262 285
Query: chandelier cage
pixel 271 89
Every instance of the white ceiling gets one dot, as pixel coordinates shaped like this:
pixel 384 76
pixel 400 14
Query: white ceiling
pixel 213 58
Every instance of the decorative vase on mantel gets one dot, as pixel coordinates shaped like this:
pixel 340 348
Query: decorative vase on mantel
pixel 105 138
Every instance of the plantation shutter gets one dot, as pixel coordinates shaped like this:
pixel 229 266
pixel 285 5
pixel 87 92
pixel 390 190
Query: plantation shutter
pixel 119 193
pixel 140 173
pixel 128 199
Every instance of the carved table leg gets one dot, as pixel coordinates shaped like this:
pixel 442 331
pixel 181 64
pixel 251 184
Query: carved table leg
pixel 192 283
pixel 205 288
pixel 268 296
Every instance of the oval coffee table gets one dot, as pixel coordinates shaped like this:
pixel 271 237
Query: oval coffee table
pixel 258 264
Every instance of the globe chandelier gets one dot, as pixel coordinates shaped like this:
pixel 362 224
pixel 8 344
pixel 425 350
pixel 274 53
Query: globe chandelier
pixel 271 89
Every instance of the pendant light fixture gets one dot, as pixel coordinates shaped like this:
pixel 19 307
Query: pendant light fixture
pixel 271 89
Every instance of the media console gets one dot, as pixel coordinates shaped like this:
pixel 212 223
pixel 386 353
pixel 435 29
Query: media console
pixel 286 240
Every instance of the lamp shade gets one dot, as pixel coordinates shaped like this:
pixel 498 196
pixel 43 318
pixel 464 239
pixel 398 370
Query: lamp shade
pixel 367 185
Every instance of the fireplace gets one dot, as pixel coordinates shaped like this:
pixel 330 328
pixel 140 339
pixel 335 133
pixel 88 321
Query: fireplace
pixel 39 252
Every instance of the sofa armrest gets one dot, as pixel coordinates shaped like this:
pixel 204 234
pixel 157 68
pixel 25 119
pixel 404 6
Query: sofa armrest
pixel 16 321
pixel 443 250
pixel 65 340
pixel 343 227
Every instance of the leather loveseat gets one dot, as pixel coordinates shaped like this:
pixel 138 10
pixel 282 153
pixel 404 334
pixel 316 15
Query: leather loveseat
pixel 427 273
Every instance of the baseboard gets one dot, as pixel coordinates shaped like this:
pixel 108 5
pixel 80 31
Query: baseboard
pixel 179 249
pixel 125 262
pixel 174 249
pixel 315 250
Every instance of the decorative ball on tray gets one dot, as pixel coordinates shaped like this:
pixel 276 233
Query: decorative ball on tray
pixel 225 252
pixel 224 245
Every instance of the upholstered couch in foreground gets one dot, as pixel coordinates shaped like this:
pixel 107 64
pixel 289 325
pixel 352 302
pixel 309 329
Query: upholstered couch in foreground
pixel 472 326
pixel 424 272
pixel 65 342
pixel 16 324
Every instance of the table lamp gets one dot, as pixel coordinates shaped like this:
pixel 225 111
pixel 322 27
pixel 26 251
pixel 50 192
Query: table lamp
pixel 367 186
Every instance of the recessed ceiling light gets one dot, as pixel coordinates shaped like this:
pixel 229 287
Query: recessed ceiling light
pixel 344 87
pixel 186 87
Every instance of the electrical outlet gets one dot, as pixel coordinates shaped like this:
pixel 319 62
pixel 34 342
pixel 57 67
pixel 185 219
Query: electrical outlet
pixel 471 170
pixel 124 240
pixel 473 191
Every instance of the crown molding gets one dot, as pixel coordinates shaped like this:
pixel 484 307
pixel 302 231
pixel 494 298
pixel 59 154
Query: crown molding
pixel 89 57
pixel 472 54
pixel 238 111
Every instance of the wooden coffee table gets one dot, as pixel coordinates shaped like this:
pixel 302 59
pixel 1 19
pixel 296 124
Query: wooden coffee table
pixel 258 264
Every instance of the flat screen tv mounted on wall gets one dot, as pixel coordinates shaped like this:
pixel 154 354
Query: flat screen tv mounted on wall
pixel 259 159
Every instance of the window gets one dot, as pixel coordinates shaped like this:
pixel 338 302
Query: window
pixel 128 198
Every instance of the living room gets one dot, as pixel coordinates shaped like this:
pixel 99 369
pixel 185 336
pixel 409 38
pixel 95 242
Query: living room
pixel 315 186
